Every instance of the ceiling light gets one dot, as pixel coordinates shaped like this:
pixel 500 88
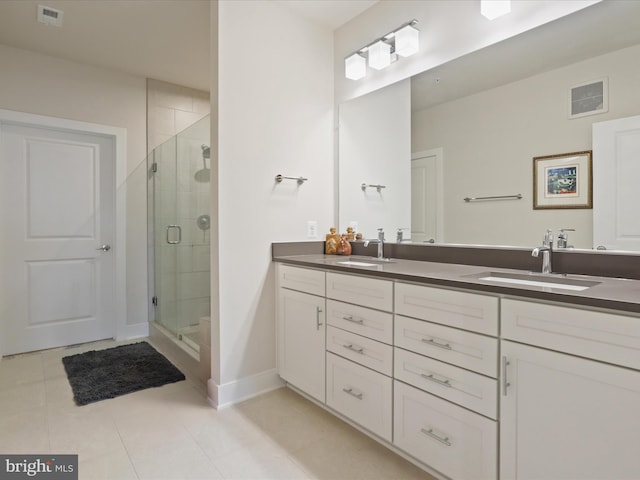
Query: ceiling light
pixel 355 67
pixel 494 8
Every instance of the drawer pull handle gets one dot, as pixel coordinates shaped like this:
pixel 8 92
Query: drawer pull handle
pixel 432 341
pixel 352 393
pixel 430 433
pixel 350 346
pixel 444 383
pixel 350 318
pixel 505 381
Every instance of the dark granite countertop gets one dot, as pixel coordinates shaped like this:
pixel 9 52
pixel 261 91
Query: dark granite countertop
pixel 610 293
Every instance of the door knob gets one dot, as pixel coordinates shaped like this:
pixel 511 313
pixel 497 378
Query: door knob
pixel 104 248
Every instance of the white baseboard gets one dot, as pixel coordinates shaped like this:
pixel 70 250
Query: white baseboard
pixel 225 395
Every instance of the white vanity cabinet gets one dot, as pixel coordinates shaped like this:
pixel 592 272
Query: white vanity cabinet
pixel 571 413
pixel 445 370
pixel 438 373
pixel 301 327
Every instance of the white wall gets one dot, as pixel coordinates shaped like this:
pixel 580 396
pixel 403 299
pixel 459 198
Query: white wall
pixel 490 139
pixel 44 85
pixel 375 148
pixel 448 30
pixel 275 94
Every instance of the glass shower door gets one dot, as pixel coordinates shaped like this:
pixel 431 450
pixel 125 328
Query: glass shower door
pixel 179 213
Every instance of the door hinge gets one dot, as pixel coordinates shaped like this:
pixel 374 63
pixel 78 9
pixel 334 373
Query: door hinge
pixel 154 301
pixel 154 167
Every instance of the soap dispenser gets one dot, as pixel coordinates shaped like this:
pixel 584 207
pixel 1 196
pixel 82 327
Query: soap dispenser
pixel 332 242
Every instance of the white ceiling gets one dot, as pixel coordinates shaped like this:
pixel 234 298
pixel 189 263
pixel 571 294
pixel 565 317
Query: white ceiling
pixel 167 40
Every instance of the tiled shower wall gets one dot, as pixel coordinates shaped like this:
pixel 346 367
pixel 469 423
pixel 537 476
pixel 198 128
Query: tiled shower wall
pixel 171 109
pixel 177 127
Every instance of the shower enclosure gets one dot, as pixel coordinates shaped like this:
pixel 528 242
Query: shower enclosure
pixel 179 221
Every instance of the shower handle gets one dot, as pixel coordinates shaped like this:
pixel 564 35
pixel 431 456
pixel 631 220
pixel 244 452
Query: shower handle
pixel 179 230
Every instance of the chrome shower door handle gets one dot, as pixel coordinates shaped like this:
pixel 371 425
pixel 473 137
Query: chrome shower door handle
pixel 179 237
pixel 104 248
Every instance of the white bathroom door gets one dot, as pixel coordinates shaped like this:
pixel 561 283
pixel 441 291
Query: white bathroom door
pixel 426 196
pixel 616 176
pixel 56 212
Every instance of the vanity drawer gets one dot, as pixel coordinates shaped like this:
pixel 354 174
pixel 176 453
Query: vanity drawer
pixel 363 321
pixel 370 292
pixel 360 394
pixel 465 349
pixel 602 336
pixel 470 311
pixel 456 442
pixel 301 279
pixel 375 355
pixel 471 390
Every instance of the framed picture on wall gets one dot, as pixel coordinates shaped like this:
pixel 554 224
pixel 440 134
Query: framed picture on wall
pixel 563 181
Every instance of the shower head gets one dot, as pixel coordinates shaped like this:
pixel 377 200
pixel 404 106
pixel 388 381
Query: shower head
pixel 203 175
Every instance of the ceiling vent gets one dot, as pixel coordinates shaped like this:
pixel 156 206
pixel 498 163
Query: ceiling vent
pixel 50 16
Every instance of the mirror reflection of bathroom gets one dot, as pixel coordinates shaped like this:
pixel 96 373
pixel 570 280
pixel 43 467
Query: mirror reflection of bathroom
pixel 179 224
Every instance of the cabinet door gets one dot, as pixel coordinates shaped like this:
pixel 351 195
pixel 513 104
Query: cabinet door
pixel 363 321
pixel 469 311
pixel 369 292
pixel 301 279
pixel 566 417
pixel 301 341
pixel 464 349
pixel 374 355
pixel 360 394
pixel 454 441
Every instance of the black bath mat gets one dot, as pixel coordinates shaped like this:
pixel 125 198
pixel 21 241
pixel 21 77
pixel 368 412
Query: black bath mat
pixel 101 374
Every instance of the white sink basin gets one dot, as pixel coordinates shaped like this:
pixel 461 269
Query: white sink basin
pixel 364 261
pixel 531 280
pixel 356 263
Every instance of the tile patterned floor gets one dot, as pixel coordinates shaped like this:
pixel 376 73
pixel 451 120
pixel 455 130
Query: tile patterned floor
pixel 172 433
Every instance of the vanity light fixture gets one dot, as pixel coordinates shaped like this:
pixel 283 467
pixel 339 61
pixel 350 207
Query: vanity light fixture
pixel 403 41
pixel 493 9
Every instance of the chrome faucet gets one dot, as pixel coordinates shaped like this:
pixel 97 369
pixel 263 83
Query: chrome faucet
pixel 546 249
pixel 400 237
pixel 379 241
pixel 563 238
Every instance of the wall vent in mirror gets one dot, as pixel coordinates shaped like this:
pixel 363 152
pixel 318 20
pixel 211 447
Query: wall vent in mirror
pixel 589 98
pixel 50 16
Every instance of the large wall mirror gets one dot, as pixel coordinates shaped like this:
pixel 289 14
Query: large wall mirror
pixel 471 129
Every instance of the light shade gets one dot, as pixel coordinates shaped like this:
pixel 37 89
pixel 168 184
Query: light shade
pixel 355 67
pixel 494 8
pixel 407 41
pixel 379 55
